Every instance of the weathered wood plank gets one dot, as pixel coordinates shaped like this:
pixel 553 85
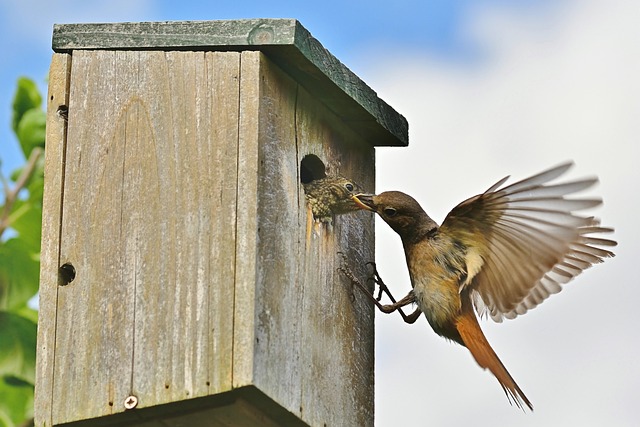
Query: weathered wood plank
pixel 285 41
pixel 311 339
pixel 247 221
pixel 95 324
pixel 224 83
pixel 174 34
pixel 178 88
pixel 279 290
pixel 152 195
pixel 57 101
pixel 329 311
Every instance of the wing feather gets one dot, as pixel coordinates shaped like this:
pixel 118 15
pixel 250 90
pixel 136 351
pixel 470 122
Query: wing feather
pixel 532 241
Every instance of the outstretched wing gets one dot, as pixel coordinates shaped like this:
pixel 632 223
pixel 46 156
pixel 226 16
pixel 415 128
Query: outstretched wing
pixel 531 243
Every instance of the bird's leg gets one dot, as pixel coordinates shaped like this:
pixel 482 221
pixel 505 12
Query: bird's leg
pixel 410 319
pixel 410 298
pixel 381 285
pixel 385 308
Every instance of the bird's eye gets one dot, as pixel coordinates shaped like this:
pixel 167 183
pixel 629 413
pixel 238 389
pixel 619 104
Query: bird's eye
pixel 390 212
pixel 349 186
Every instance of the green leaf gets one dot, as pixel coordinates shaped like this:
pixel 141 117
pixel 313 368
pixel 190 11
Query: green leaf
pixel 26 220
pixel 19 273
pixel 16 403
pixel 17 381
pixel 17 368
pixel 36 183
pixel 27 96
pixel 31 130
pixel 17 348
pixel 19 267
pixel 28 313
pixel 25 217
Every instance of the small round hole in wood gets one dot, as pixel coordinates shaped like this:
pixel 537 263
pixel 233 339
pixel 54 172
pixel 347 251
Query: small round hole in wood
pixel 311 168
pixel 67 272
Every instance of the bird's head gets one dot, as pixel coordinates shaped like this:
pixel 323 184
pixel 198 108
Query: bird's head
pixel 401 211
pixel 331 195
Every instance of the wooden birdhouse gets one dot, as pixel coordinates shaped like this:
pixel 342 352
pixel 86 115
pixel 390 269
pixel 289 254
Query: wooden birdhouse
pixel 182 281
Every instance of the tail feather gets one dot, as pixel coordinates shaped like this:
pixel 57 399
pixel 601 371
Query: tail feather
pixel 474 339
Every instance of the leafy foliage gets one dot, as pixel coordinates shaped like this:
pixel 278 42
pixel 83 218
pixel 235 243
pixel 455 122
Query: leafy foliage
pixel 28 117
pixel 20 230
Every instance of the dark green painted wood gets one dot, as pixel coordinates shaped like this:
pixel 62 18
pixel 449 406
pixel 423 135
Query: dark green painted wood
pixel 285 41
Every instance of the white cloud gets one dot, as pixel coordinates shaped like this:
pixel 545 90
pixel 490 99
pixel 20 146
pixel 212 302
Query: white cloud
pixel 556 85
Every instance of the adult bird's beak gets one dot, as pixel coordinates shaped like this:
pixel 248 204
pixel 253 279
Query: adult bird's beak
pixel 364 201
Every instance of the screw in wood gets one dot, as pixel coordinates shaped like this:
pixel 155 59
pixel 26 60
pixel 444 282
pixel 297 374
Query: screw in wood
pixel 130 402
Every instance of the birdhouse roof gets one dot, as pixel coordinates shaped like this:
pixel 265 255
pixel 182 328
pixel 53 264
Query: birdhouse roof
pixel 285 41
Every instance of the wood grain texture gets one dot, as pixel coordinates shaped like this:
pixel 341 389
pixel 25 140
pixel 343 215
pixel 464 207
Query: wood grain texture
pixel 290 45
pixel 173 34
pixel 247 221
pixel 185 218
pixel 314 345
pixel 57 97
pixel 225 116
pixel 279 289
pixel 330 311
pixel 94 342
pixel 149 224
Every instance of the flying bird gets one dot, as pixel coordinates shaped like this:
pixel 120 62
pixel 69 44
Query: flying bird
pixel 501 253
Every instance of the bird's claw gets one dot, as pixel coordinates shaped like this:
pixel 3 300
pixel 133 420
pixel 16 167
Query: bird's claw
pixel 385 308
pixel 377 280
pixel 344 269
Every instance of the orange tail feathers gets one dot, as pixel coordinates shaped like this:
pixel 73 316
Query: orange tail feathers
pixel 474 339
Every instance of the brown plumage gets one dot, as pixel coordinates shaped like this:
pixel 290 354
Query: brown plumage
pixel 503 252
pixel 331 195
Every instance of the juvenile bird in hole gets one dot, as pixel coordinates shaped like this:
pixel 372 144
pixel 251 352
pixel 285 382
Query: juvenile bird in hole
pixel 331 195
pixel 501 252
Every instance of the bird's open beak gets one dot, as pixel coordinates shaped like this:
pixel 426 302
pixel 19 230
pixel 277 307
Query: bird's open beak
pixel 364 201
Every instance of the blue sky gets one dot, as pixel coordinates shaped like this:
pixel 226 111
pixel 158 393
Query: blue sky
pixel 435 28
pixel 490 88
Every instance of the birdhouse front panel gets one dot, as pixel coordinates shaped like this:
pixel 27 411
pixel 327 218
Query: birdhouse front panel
pixel 149 224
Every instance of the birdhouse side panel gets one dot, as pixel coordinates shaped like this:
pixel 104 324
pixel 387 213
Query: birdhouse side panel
pixel 330 308
pixel 313 345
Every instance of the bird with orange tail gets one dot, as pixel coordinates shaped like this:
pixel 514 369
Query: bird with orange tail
pixel 501 252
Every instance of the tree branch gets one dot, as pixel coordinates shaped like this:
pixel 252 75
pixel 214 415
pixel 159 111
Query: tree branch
pixel 11 195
